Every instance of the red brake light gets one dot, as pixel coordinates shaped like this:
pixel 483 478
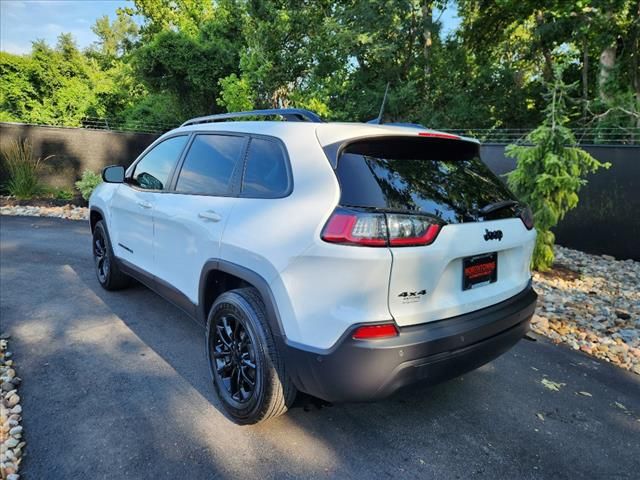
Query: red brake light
pixel 526 215
pixel 450 136
pixel 369 332
pixel 372 229
pixel 356 228
pixel 408 230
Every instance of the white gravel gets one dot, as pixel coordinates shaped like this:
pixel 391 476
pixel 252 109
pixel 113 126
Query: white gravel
pixel 597 312
pixel 11 442
pixel 70 212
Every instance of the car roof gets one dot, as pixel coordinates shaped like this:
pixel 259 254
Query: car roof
pixel 327 133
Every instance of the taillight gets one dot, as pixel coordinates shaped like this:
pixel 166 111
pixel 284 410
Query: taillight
pixel 356 228
pixel 406 230
pixel 369 332
pixel 373 229
pixel 526 215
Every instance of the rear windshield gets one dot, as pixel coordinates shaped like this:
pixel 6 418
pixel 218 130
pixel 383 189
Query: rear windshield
pixel 440 177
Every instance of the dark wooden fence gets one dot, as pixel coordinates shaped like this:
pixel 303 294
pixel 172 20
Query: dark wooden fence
pixel 607 219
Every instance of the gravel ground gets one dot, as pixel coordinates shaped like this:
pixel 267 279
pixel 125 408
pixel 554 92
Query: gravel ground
pixel 592 303
pixel 589 302
pixel 11 443
pixel 70 212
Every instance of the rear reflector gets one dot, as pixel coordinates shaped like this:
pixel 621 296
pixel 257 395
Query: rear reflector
pixel 373 229
pixel 369 332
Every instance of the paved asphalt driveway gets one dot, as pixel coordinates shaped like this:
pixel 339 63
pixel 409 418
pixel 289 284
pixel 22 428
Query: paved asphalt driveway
pixel 116 386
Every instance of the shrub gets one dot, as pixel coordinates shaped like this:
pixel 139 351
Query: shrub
pixel 23 169
pixel 87 184
pixel 63 194
pixel 550 172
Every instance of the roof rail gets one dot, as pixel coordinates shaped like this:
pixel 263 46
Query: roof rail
pixel 289 114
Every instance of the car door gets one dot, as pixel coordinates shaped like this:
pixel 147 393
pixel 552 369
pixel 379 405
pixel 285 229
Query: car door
pixel 132 206
pixel 189 221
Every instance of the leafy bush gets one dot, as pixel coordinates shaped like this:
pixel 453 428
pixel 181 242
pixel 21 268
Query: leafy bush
pixel 550 171
pixel 87 184
pixel 63 194
pixel 23 169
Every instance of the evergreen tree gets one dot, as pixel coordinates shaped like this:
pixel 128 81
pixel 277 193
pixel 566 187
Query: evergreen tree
pixel 551 170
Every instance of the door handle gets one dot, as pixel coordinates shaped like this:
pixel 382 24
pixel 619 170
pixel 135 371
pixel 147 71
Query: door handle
pixel 210 215
pixel 144 204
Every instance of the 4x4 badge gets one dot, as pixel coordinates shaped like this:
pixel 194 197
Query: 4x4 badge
pixel 493 235
pixel 412 297
pixel 412 294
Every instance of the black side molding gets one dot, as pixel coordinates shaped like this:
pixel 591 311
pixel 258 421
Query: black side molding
pixel 162 288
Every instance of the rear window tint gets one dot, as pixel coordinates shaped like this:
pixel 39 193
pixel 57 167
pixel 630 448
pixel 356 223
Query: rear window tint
pixel 440 177
pixel 265 174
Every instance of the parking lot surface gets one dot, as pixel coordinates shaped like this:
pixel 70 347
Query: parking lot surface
pixel 116 385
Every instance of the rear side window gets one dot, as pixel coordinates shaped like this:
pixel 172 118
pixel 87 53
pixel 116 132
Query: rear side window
pixel 152 172
pixel 266 174
pixel 440 177
pixel 210 164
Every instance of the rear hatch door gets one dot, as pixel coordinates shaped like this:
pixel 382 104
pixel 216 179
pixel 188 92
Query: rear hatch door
pixel 482 252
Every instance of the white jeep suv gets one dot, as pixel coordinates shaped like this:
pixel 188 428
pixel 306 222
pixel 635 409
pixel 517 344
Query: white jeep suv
pixel 343 260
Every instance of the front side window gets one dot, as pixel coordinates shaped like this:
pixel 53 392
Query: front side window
pixel 265 173
pixel 152 172
pixel 210 164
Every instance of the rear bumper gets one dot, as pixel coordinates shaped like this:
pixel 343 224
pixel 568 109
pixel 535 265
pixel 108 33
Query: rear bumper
pixel 356 370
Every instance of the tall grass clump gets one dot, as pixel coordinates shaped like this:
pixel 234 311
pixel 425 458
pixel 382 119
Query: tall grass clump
pixel 23 169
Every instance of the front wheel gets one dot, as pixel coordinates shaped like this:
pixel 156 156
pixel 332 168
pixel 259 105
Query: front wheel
pixel 107 270
pixel 246 367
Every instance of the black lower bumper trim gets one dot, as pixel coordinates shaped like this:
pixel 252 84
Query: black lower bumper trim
pixel 359 370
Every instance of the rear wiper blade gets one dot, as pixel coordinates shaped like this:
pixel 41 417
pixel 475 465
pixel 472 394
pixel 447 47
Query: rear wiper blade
pixel 493 207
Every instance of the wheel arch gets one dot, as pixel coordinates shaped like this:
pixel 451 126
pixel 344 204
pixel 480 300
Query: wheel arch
pixel 214 280
pixel 95 215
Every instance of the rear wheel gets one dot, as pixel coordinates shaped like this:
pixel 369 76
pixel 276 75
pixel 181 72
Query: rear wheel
pixel 107 270
pixel 246 368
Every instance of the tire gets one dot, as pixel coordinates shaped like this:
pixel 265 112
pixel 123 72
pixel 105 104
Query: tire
pixel 238 336
pixel 109 274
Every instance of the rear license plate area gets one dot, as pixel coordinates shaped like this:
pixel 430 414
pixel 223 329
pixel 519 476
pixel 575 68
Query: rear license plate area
pixel 479 270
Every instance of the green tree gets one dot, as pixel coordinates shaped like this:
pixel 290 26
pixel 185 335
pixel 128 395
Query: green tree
pixel 184 65
pixel 57 86
pixel 115 39
pixel 235 94
pixel 550 171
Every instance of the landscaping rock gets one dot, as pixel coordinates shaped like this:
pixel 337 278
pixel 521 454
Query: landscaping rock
pixel 70 212
pixel 591 303
pixel 11 444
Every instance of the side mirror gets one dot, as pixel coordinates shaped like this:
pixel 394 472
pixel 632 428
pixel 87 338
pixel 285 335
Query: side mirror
pixel 113 174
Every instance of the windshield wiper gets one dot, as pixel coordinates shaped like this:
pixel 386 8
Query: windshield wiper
pixel 494 207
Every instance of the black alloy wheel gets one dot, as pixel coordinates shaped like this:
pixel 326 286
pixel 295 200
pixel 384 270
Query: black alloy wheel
pixel 101 256
pixel 247 368
pixel 234 358
pixel 107 269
